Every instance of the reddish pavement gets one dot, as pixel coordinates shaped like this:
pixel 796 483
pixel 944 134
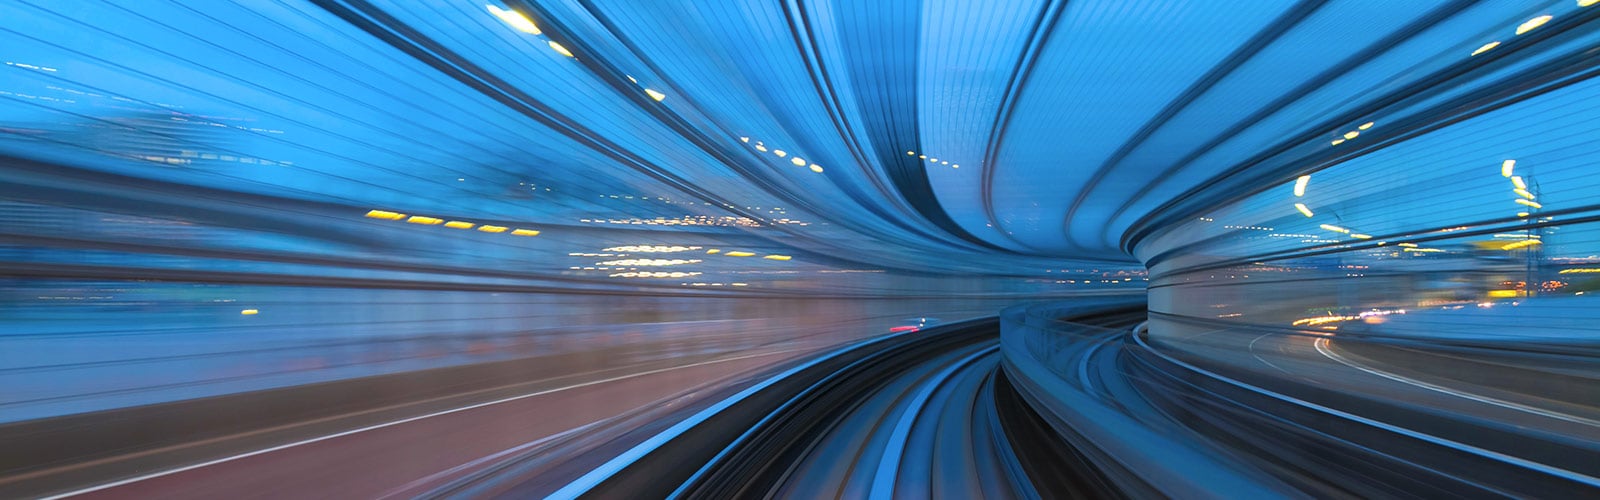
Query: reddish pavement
pixel 390 460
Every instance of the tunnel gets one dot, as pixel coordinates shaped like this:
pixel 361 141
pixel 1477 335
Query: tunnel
pixel 799 249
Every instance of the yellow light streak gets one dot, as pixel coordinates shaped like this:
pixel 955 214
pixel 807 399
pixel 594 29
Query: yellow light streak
pixel 1486 47
pixel 492 229
pixel 249 312
pixel 1523 193
pixel 1530 24
pixel 1335 229
pixel 777 257
pixel 1300 185
pixel 739 254
pixel 798 161
pixel 711 251
pixel 1516 180
pixel 1366 125
pixel 560 50
pixel 524 232
pixel 1504 294
pixel 815 168
pixel 418 219
pixel 515 19
pixel 1303 209
pixel 1351 134
pixel 1581 270
pixel 1506 166
pixel 1586 3
pixel 1520 244
pixel 1360 236
pixel 385 214
pixel 1409 245
pixel 1320 320
pixel 455 224
pixel 1533 204
pixel 781 153
pixel 658 96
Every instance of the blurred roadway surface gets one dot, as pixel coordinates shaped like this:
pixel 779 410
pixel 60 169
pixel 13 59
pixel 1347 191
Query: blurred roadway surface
pixel 370 393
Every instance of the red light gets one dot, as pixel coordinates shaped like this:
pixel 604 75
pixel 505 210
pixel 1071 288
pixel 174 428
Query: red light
pixel 899 329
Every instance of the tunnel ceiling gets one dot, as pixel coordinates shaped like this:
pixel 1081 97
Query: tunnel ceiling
pixel 921 134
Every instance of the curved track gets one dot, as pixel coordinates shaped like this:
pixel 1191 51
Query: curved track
pixel 1116 413
pixel 931 418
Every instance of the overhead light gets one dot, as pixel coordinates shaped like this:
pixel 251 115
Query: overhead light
pixel 815 168
pixel 1300 185
pixel 492 229
pixel 524 232
pixel 781 153
pixel 1516 180
pixel 1506 166
pixel 955 166
pixel 1586 3
pixel 744 139
pixel 385 214
pixel 798 161
pixel 777 257
pixel 455 224
pixel 515 19
pixel 418 219
pixel 1335 229
pixel 713 251
pixel 1351 134
pixel 739 254
pixel 1337 142
pixel 560 50
pixel 1302 208
pixel 1530 24
pixel 1360 236
pixel 911 153
pixel 655 95
pixel 1486 47
pixel 1533 204
pixel 1365 126
pixel 1523 193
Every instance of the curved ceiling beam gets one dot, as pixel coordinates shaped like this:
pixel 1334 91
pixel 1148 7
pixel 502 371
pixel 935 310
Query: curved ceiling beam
pixel 1578 64
pixel 1043 26
pixel 1274 30
pixel 1434 17
pixel 615 77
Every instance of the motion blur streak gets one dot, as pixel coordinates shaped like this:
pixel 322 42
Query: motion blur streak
pixel 888 248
